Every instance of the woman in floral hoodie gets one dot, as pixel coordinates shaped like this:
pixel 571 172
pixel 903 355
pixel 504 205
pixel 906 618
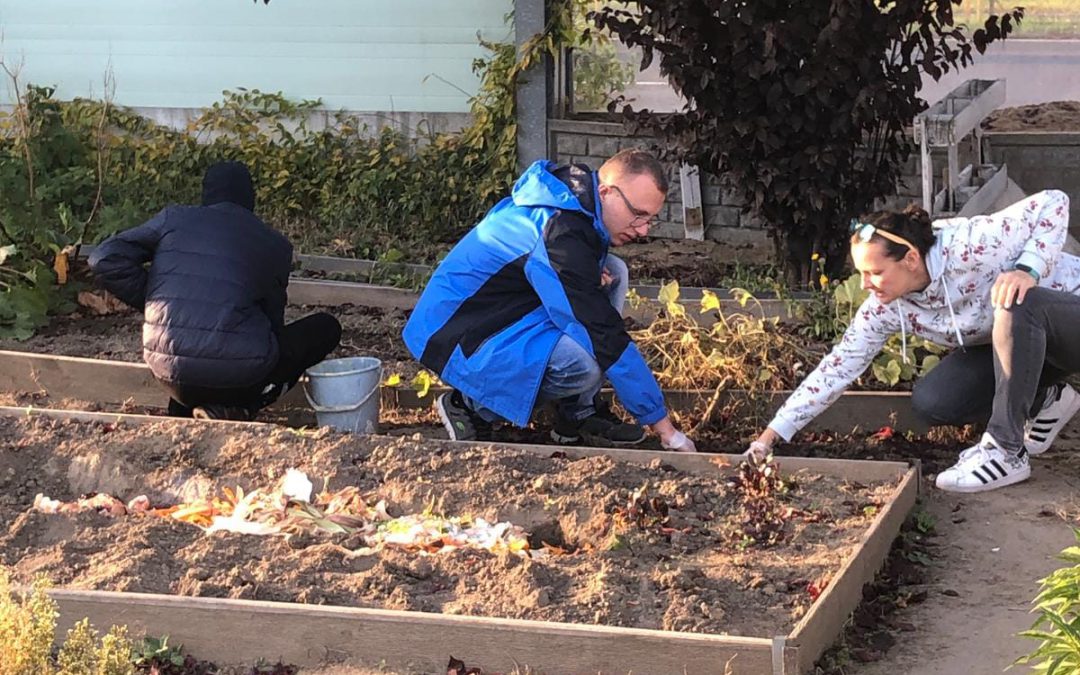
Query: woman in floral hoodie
pixel 998 289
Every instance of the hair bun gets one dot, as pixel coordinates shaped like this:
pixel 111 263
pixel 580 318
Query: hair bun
pixel 918 215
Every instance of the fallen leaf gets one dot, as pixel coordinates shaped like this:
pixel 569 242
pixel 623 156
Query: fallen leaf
pixel 100 302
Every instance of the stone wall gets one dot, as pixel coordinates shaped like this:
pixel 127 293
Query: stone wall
pixel 593 142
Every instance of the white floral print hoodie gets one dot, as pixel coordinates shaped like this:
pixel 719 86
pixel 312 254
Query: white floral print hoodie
pixel 954 310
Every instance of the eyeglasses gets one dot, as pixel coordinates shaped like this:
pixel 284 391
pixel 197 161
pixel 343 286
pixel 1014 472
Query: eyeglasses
pixel 865 231
pixel 640 216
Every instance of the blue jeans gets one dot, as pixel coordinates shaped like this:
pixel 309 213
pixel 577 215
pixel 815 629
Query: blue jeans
pixel 573 377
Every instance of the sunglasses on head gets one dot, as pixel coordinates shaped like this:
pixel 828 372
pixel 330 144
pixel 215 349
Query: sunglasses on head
pixel 864 232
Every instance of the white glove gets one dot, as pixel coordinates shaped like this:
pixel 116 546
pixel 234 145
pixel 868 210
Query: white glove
pixel 757 452
pixel 678 442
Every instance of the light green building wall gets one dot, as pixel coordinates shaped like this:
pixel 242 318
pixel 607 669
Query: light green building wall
pixel 359 55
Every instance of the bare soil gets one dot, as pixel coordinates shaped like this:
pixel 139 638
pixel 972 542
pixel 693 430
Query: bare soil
pixel 1052 116
pixel 366 331
pixel 687 575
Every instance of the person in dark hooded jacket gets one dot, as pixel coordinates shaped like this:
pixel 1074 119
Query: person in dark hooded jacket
pixel 211 282
pixel 526 307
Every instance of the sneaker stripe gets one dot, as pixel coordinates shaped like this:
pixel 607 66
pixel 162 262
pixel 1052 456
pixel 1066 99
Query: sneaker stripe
pixel 1022 453
pixel 997 466
pixel 975 472
pixel 989 471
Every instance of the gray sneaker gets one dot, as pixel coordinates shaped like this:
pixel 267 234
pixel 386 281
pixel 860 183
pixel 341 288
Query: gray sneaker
pixel 462 424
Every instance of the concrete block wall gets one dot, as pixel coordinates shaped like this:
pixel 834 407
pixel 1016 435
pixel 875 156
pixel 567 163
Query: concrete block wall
pixel 593 142
pixel 1036 161
pixel 1040 161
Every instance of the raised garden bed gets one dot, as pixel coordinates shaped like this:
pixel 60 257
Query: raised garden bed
pixel 112 383
pixel 326 280
pixel 659 593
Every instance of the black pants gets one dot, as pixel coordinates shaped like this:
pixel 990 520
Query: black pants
pixel 1034 345
pixel 301 345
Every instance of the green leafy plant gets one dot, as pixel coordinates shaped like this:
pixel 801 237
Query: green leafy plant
pixel 75 172
pixel 1058 625
pixel 157 651
pixel 599 74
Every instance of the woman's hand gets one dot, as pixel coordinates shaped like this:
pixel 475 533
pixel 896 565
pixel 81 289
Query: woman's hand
pixel 1011 286
pixel 762 447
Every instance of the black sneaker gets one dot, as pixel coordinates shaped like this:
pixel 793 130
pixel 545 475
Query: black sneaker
pixel 462 424
pixel 234 413
pixel 603 427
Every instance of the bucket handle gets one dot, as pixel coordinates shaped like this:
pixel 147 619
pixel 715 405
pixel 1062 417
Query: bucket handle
pixel 342 408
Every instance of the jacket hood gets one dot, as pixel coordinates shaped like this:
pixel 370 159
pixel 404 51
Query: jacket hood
pixel 567 188
pixel 228 182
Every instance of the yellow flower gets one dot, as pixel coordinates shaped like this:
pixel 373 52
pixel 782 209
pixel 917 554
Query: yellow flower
pixel 823 280
pixel 814 257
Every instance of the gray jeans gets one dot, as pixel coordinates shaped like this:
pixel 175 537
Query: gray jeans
pixel 1034 345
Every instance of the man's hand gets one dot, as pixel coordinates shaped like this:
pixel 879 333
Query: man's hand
pixel 605 278
pixel 671 438
pixel 678 442
pixel 1010 286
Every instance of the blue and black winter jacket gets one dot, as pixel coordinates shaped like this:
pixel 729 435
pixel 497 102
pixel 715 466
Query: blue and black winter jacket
pixel 527 274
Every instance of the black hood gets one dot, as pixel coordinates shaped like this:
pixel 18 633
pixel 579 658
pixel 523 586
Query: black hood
pixel 228 182
pixel 579 178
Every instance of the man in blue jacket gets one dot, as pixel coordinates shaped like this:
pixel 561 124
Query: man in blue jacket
pixel 526 307
pixel 211 282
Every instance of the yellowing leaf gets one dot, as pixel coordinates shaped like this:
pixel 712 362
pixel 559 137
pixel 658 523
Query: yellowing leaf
pixel 675 309
pixel 669 293
pixel 422 383
pixel 393 381
pixel 709 301
pixel 742 296
pixel 764 375
pixel 60 266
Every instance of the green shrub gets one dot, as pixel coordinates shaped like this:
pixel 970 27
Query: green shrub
pixel 1058 627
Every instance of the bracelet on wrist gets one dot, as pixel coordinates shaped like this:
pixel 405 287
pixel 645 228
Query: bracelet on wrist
pixel 1027 268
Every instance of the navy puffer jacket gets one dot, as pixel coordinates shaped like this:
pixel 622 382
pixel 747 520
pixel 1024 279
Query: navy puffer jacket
pixel 214 293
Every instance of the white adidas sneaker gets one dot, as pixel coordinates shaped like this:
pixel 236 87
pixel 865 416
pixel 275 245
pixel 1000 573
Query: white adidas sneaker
pixel 1059 408
pixel 985 466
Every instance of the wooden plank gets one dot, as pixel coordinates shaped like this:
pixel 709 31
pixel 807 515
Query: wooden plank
pixel 983 201
pixel 78 378
pixel 313 292
pixel 852 469
pixel 100 381
pixel 117 382
pixel 233 632
pixel 326 263
pixel 787 311
pixel 693 217
pixel 826 618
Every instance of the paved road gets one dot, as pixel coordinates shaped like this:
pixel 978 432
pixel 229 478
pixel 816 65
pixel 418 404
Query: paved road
pixel 1035 71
